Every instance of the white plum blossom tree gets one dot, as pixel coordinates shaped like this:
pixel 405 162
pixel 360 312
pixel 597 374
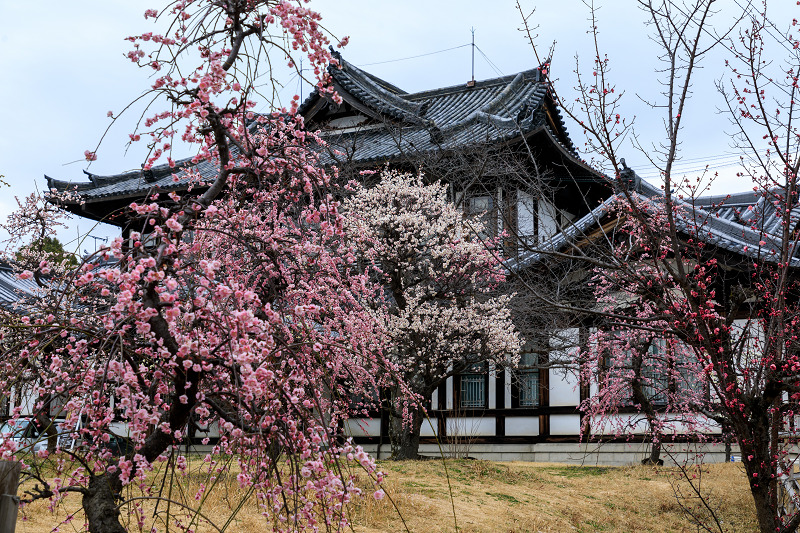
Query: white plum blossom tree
pixel 440 310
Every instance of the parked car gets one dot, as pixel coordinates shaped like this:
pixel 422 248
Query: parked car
pixel 118 445
pixel 26 433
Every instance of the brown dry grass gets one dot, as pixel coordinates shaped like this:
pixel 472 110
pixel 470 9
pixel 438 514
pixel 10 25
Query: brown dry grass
pixel 490 497
pixel 517 497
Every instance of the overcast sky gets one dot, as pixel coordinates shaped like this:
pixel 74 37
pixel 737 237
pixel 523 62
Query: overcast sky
pixel 63 69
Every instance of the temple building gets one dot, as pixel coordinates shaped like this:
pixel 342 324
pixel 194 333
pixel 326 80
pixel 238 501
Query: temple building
pixel 502 146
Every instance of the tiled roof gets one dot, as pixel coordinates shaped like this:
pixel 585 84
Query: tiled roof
pixel 714 220
pixel 134 183
pixel 404 125
pixel 12 289
pixel 442 119
pixel 452 117
pixel 757 210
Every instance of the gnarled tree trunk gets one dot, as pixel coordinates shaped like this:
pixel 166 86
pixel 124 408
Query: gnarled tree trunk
pixel 100 504
pixel 404 430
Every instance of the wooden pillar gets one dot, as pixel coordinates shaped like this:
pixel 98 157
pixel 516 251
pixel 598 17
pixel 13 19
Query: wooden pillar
pixel 9 502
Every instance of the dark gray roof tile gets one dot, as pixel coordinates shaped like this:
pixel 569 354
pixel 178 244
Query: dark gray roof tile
pixel 695 219
pixel 448 118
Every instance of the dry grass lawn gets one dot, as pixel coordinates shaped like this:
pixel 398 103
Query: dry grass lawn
pixel 486 497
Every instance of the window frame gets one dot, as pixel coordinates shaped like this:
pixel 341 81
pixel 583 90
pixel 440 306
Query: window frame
pixel 480 373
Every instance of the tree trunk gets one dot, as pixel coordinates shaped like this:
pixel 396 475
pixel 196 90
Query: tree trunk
pixel 753 436
pixel 101 496
pixel 404 433
pixel 655 453
pixel 49 428
pixel 765 513
pixel 646 406
pixel 100 504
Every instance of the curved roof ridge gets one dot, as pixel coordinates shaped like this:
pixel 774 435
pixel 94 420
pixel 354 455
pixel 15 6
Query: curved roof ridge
pixel 97 181
pixel 527 75
pixel 721 232
pixel 745 197
pixel 63 185
pixel 501 100
pixel 348 75
pixel 488 112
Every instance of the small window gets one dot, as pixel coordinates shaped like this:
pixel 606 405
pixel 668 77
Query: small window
pixel 473 387
pixel 481 208
pixel 655 373
pixel 479 205
pixel 528 376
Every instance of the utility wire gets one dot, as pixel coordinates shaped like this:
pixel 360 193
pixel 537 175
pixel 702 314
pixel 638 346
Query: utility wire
pixel 656 174
pixel 413 57
pixel 489 61
pixel 711 161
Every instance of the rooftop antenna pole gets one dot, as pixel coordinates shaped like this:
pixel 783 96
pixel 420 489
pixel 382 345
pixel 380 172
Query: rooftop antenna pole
pixel 472 80
pixel 104 239
pixel 301 79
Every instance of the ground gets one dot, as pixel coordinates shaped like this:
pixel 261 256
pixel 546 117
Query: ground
pixel 504 497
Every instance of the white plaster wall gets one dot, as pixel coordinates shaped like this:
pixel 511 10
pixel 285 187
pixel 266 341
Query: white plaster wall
pixel 548 220
pixel 449 391
pixel 507 389
pixel 27 403
pixel 522 426
pixel 629 423
pixel 754 330
pixel 120 428
pixel 564 390
pixel 526 215
pixel 471 426
pixel 429 428
pixel 363 427
pixel 565 424
pixel 346 122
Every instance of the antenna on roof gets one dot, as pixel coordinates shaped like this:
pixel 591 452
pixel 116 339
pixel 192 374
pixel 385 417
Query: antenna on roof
pixel 104 239
pixel 301 79
pixel 471 82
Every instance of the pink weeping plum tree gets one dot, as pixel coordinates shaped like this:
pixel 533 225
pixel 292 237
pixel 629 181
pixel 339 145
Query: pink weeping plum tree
pixel 236 306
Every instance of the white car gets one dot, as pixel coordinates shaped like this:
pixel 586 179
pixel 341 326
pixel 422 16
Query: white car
pixel 25 434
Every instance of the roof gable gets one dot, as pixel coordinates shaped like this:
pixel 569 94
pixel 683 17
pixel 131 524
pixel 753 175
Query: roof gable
pixel 375 123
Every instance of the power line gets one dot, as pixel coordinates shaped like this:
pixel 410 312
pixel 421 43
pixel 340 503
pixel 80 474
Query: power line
pixel 692 170
pixel 489 61
pixel 723 155
pixel 414 57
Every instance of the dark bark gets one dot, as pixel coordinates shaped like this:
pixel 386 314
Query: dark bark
pixel 753 434
pixel 100 504
pixel 404 433
pixel 655 454
pixel 103 493
pixel 49 428
pixel 647 408
pixel 765 513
